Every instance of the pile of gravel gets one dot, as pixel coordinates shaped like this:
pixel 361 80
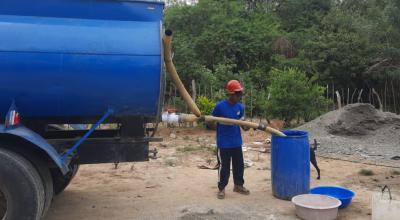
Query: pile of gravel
pixel 359 131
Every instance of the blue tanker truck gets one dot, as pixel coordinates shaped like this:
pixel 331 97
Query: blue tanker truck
pixel 86 62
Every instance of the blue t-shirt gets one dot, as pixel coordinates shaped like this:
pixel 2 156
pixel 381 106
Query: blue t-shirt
pixel 228 136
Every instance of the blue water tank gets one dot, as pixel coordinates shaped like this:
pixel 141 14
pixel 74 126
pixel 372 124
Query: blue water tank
pixel 64 59
pixel 290 164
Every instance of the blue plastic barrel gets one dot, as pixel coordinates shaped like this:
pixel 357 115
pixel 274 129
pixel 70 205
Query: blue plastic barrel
pixel 290 164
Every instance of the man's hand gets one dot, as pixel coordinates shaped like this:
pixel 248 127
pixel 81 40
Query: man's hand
pixel 212 124
pixel 262 126
pixel 245 128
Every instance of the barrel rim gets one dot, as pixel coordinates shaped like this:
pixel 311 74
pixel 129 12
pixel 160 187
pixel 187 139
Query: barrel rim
pixel 289 132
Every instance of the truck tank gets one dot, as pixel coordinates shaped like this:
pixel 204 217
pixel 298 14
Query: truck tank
pixel 69 61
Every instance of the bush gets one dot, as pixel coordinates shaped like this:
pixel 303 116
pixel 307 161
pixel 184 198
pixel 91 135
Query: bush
pixel 205 105
pixel 293 95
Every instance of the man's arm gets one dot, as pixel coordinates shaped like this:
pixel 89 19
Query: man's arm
pixel 217 113
pixel 245 128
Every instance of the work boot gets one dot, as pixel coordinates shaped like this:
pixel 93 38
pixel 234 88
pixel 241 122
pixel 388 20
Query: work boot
pixel 241 190
pixel 221 194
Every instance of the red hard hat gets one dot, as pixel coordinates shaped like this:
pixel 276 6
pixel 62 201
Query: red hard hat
pixel 233 86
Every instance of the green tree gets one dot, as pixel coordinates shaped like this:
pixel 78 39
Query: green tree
pixel 293 95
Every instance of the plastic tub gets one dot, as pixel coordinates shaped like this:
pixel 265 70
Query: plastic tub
pixel 343 194
pixel 316 207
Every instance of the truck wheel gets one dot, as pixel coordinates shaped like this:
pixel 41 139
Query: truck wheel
pixel 49 188
pixel 47 180
pixel 3 205
pixel 22 191
pixel 44 172
pixel 61 182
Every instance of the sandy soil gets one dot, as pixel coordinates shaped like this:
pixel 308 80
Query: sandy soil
pixel 173 187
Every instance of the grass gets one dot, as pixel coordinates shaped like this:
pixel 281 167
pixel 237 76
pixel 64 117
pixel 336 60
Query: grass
pixel 365 172
pixel 188 148
pixel 169 162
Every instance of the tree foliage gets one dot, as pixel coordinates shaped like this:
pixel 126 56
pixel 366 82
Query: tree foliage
pixel 205 105
pixel 345 43
pixel 293 94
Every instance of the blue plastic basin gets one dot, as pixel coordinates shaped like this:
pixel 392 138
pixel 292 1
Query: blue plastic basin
pixel 343 194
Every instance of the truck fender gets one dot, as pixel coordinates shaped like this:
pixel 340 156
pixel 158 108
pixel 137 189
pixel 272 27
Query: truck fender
pixel 37 140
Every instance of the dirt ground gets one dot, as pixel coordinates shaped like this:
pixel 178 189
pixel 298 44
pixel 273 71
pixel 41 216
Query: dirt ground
pixel 173 187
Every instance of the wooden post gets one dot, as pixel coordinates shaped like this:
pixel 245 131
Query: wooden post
pixel 348 95
pixel 251 101
pixel 198 86
pixel 339 101
pixel 327 96
pixel 382 91
pixel 175 97
pixel 359 99
pixel 352 95
pixel 378 98
pixel 394 99
pixel 169 95
pixel 373 99
pixel 387 101
pixel 327 91
pixel 333 95
pixel 194 95
pixel 342 98
pixel 244 99
pixel 369 96
pixel 385 105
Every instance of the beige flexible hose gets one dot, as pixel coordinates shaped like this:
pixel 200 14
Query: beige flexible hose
pixel 244 123
pixel 208 118
pixel 167 41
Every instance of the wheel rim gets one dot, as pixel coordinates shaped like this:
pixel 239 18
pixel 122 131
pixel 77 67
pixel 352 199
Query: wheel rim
pixel 3 206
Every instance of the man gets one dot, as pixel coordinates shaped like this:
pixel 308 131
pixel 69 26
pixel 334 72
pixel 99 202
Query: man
pixel 229 140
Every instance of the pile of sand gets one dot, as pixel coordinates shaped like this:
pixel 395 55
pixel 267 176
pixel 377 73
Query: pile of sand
pixel 361 119
pixel 359 130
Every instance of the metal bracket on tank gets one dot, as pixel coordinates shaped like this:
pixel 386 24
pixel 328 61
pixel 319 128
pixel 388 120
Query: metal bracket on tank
pixel 64 157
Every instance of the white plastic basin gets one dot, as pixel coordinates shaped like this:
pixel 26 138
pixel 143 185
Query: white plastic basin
pixel 316 207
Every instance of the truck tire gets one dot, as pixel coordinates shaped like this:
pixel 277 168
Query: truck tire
pixel 47 180
pixel 21 186
pixel 44 172
pixel 61 182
